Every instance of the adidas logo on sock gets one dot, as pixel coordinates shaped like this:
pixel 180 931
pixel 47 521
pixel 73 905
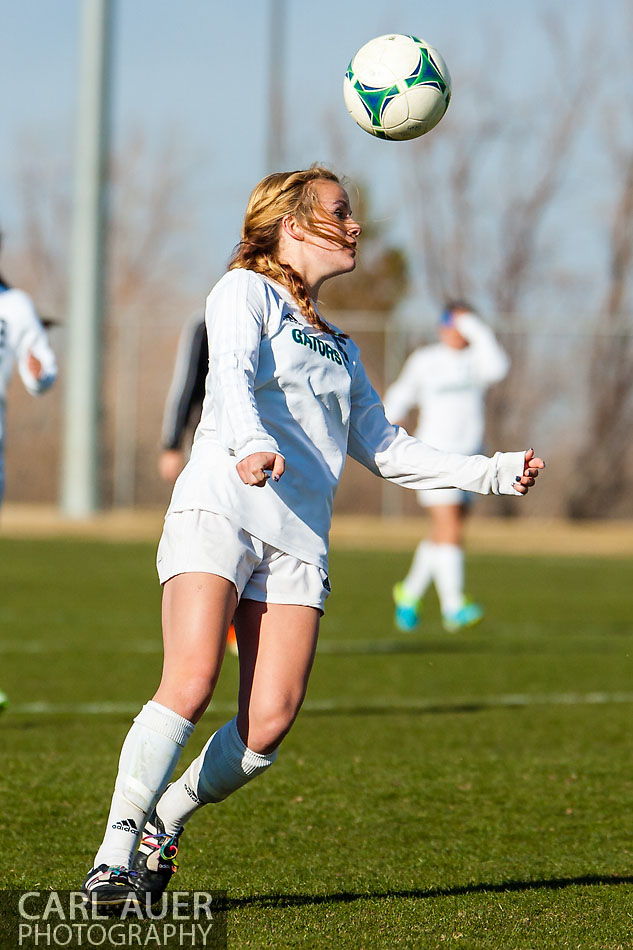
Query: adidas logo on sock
pixel 190 792
pixel 128 824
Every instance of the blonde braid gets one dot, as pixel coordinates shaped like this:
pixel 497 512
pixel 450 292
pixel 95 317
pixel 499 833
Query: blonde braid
pixel 285 275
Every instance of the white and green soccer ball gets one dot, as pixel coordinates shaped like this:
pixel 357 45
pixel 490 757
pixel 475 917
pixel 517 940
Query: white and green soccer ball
pixel 397 87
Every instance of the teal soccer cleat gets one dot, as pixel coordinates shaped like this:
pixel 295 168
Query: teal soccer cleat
pixel 468 615
pixel 407 614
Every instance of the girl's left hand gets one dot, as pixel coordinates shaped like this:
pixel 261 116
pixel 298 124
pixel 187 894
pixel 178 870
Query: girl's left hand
pixel 34 366
pixel 530 473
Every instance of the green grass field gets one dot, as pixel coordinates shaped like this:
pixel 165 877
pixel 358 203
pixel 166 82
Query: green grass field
pixel 472 790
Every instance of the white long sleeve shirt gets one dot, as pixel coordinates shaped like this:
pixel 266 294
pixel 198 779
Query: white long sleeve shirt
pixel 21 333
pixel 277 384
pixel 448 386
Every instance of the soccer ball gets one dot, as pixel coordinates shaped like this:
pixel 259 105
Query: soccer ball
pixel 397 87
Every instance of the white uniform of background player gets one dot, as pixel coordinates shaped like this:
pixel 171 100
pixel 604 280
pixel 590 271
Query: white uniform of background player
pixel 446 383
pixel 23 341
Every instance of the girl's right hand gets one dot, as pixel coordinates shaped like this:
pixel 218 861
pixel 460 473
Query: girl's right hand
pixel 257 468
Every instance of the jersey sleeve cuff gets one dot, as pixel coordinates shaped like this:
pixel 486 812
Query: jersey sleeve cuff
pixel 257 445
pixel 509 465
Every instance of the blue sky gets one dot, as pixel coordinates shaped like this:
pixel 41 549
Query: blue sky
pixel 195 72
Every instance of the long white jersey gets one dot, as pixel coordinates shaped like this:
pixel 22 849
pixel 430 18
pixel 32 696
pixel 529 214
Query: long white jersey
pixel 447 386
pixel 277 384
pixel 21 333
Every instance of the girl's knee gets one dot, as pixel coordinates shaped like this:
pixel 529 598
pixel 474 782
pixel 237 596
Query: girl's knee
pixel 263 730
pixel 188 697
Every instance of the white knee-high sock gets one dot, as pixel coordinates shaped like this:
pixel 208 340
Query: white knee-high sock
pixel 421 571
pixel 149 755
pixel 448 574
pixel 224 765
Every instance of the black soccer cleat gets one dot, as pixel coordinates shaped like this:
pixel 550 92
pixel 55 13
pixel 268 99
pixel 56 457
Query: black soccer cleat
pixel 109 886
pixel 155 862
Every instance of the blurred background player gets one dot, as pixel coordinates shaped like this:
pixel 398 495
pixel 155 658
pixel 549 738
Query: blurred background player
pixel 183 407
pixel 185 396
pixel 23 341
pixel 446 383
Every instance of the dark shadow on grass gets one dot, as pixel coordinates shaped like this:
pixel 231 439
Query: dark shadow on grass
pixel 348 897
pixel 516 646
pixel 465 706
pixel 410 646
pixel 397 709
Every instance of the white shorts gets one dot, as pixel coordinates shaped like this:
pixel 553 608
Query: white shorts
pixel 429 498
pixel 204 541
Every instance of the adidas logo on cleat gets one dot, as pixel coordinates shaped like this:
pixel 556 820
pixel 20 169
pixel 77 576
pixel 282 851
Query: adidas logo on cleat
pixel 128 824
pixel 157 863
